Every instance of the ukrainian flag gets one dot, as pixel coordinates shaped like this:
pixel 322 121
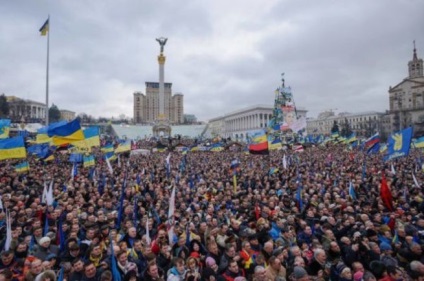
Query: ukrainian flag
pixel 335 135
pixel 91 138
pixel 67 133
pixel 123 147
pixel 22 167
pixel 110 156
pixel 108 148
pixel 12 148
pixel 4 128
pixel 42 136
pixel 351 138
pixel 45 28
pixel 419 143
pixel 88 161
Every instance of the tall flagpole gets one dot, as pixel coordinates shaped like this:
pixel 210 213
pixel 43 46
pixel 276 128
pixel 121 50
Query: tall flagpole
pixel 47 73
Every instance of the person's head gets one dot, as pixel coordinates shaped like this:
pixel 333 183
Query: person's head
pixel 122 257
pixel 78 265
pixel 233 266
pixel 153 270
pixel 7 257
pixel 299 261
pixel 395 273
pixel 260 273
pixel 106 276
pixel 45 242
pixel 357 266
pixel 346 273
pixel 230 250
pixel 36 267
pixel 48 275
pixel 179 265
pixel 320 256
pixel 132 232
pixel 300 274
pixel 210 262
pixel 90 270
pixel 275 263
pixel 368 276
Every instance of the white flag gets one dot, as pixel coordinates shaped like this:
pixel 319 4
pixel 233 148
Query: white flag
pixel 393 170
pixel 1 202
pixel 8 231
pixel 148 240
pixel 49 195
pixel 171 211
pixel 415 180
pixel 119 161
pixel 285 162
pixel 109 166
pixel 43 196
pixel 73 171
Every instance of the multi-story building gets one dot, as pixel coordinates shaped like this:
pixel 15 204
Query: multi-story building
pixel 29 111
pixel 190 119
pixel 67 115
pixel 240 122
pixel 407 99
pixel 146 107
pixel 363 123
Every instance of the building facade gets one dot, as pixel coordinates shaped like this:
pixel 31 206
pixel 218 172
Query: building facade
pixel 240 122
pixel 363 124
pixel 146 107
pixel 407 99
pixel 67 115
pixel 28 111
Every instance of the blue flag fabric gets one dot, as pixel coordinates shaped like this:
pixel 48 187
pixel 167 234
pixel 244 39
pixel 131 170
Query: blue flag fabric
pixel 399 144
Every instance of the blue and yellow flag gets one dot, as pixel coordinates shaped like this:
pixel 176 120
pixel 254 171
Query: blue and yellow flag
pixel 419 143
pixel 42 136
pixel 66 134
pixel 274 143
pixel 45 28
pixel 4 128
pixel 22 167
pixel 12 148
pixel 91 138
pixel 123 147
pixel 398 144
pixel 107 148
pixel 89 161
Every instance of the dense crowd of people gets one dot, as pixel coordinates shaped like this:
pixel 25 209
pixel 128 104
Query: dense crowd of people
pixel 295 219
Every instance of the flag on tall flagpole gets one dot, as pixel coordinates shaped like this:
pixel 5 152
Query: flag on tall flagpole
pixel 284 162
pixel 49 194
pixel 168 165
pixel 45 28
pixel 109 166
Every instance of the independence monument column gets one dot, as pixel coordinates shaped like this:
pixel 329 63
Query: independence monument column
pixel 161 61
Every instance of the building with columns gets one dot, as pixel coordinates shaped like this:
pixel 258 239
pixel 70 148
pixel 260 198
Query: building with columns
pixel 364 124
pixel 237 123
pixel 28 111
pixel 146 107
pixel 67 115
pixel 407 98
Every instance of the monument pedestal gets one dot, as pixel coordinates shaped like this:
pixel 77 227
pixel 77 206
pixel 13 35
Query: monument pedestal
pixel 161 125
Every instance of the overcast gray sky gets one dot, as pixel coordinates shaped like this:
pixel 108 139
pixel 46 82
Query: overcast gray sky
pixel 222 55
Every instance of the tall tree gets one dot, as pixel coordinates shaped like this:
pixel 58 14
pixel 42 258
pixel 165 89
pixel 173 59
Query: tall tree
pixel 346 129
pixel 335 127
pixel 54 113
pixel 4 106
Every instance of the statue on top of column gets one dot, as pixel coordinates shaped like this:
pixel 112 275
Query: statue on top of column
pixel 162 42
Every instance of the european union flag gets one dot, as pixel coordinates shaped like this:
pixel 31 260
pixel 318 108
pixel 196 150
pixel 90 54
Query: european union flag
pixel 399 144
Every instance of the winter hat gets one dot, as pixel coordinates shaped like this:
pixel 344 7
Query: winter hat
pixel 44 240
pixel 210 261
pixel 358 276
pixel 299 272
pixel 384 246
pixel 208 272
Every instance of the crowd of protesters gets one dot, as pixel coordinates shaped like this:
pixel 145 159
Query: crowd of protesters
pixel 295 219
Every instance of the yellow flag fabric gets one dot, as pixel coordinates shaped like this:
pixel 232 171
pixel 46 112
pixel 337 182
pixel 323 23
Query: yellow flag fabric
pixel 45 28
